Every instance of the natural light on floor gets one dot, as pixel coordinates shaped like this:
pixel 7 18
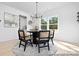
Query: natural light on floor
pixel 67 46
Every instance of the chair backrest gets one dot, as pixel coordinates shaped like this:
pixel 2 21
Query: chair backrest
pixel 52 33
pixel 21 34
pixel 44 35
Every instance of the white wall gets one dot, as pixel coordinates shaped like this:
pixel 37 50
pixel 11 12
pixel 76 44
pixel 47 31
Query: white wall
pixel 68 29
pixel 9 33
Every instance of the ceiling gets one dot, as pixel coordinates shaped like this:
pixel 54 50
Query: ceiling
pixel 29 7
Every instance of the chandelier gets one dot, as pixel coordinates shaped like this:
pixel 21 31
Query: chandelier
pixel 36 14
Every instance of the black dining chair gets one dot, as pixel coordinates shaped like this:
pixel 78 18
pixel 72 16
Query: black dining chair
pixel 23 37
pixel 52 33
pixel 43 38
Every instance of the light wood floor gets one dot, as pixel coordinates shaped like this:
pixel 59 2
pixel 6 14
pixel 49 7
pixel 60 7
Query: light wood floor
pixel 6 48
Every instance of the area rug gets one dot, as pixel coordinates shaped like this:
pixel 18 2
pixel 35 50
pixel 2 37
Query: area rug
pixel 55 50
pixel 33 51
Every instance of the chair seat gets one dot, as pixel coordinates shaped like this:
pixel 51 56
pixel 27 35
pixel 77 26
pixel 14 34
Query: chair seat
pixel 27 38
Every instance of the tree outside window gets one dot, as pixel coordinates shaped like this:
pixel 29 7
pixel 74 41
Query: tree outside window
pixel 43 24
pixel 52 23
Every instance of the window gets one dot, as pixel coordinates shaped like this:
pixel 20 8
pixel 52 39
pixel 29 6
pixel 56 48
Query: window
pixel 53 23
pixel 43 24
pixel 49 23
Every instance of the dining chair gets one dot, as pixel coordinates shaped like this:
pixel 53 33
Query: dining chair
pixel 23 37
pixel 52 33
pixel 43 38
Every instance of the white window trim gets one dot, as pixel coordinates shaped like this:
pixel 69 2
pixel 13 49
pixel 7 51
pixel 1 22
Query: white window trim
pixel 47 23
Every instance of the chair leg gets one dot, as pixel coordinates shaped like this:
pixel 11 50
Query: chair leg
pixel 31 43
pixel 52 41
pixel 38 48
pixel 25 46
pixel 36 45
pixel 19 44
pixel 48 46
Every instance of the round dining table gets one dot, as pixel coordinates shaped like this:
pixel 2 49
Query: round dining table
pixel 35 35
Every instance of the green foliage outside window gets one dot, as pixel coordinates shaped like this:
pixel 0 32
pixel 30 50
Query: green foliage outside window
pixel 53 23
pixel 44 27
pixel 53 26
pixel 53 20
pixel 43 24
pixel 43 21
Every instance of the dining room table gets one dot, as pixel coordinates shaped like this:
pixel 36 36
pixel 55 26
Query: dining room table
pixel 34 34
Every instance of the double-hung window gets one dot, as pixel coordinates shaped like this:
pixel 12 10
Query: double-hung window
pixel 53 23
pixel 43 24
pixel 50 23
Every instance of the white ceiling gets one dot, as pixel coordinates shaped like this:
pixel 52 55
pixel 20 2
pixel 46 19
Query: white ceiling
pixel 29 7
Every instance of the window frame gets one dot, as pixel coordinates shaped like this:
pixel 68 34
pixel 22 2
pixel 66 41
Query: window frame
pixel 44 24
pixel 48 23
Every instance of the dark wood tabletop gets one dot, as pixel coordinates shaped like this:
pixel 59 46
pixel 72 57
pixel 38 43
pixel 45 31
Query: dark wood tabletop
pixel 35 35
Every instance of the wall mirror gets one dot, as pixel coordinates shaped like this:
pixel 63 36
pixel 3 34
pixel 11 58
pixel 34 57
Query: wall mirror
pixel 22 22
